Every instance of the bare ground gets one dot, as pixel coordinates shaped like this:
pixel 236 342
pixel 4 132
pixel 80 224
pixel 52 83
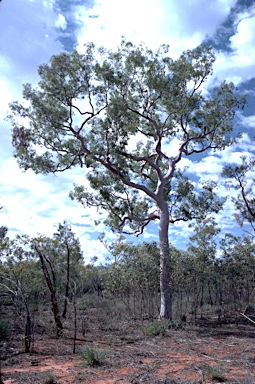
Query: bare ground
pixel 195 354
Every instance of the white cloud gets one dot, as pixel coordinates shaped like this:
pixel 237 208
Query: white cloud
pixel 209 167
pixel 248 121
pixel 182 25
pixel 238 66
pixel 36 203
pixel 189 22
pixel 114 19
pixel 61 21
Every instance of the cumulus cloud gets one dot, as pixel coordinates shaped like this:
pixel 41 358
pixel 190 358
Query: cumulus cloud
pixel 238 64
pixel 182 25
pixel 61 21
pixel 37 204
pixel 110 20
pixel 35 30
pixel 248 121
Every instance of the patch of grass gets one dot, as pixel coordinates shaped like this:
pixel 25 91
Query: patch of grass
pixel 156 328
pixel 50 378
pixel 214 373
pixel 93 357
pixel 177 323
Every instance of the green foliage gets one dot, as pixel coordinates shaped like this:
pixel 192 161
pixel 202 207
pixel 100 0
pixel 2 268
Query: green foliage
pixel 156 328
pixel 215 373
pixel 50 378
pixel 178 323
pixel 92 356
pixel 238 261
pixel 88 108
pixel 4 330
pixel 64 255
pixel 161 327
pixel 134 277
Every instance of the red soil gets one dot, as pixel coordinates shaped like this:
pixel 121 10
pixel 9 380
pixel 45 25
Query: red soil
pixel 197 355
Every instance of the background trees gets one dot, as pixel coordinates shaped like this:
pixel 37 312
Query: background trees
pixel 134 278
pixel 207 282
pixel 241 177
pixel 20 282
pixel 59 258
pixel 36 271
pixel 117 113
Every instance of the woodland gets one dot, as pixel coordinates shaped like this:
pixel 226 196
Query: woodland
pixel 85 112
pixel 77 323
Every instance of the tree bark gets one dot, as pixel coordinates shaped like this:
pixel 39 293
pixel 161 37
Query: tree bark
pixel 54 302
pixel 67 280
pixel 28 329
pixel 165 267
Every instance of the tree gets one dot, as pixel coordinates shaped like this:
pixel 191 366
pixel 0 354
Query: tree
pixel 237 269
pixel 117 113
pixel 3 230
pixel 242 178
pixel 14 288
pixel 203 248
pixel 19 279
pixel 68 248
pixel 50 278
pixel 59 256
pixel 134 277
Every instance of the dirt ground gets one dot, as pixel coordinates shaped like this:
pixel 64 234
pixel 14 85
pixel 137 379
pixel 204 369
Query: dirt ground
pixel 196 354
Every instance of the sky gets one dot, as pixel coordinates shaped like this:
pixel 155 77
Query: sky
pixel 34 30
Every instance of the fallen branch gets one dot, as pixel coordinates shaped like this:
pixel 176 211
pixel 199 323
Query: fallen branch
pixel 248 318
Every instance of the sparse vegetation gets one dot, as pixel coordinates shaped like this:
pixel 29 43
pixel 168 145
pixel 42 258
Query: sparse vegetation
pixel 129 351
pixel 92 356
pixel 214 373
pixel 156 328
pixel 50 378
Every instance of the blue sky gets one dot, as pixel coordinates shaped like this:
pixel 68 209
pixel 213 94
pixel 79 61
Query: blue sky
pixel 33 30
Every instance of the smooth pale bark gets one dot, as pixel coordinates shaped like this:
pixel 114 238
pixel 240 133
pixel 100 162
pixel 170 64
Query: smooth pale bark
pixel 165 267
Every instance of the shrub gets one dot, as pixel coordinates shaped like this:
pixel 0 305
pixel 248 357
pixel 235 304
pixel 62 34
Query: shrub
pixel 93 357
pixel 177 323
pixel 156 328
pixel 215 373
pixel 50 378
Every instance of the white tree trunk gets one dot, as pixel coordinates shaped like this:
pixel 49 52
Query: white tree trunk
pixel 165 268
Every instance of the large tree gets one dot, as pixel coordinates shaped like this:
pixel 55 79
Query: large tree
pixel 119 114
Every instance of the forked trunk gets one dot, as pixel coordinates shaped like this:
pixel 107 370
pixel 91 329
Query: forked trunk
pixel 165 267
pixel 53 298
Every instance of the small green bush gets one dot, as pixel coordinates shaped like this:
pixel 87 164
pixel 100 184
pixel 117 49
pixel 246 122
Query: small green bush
pixel 156 328
pixel 93 357
pixel 177 324
pixel 214 372
pixel 50 378
pixel 4 330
